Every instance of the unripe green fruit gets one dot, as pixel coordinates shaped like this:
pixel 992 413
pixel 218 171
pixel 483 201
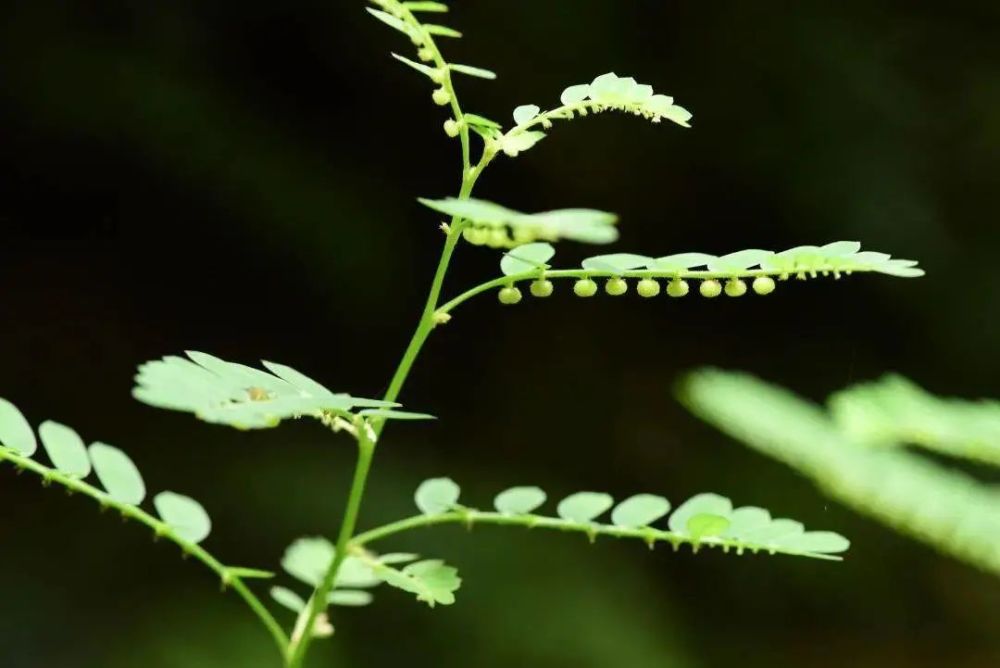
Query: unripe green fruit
pixel 763 285
pixel 585 288
pixel 441 97
pixel 541 288
pixel 677 288
pixel 735 287
pixel 710 288
pixel 452 128
pixel 647 287
pixel 509 295
pixel 498 237
pixel 616 287
pixel 477 236
pixel 425 55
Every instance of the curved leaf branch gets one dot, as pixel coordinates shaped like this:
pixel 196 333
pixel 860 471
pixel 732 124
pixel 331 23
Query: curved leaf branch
pixel 229 576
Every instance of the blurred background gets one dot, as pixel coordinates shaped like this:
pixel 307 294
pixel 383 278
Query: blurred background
pixel 240 178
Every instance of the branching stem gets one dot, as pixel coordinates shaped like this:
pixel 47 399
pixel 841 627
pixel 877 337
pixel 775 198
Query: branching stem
pixel 227 575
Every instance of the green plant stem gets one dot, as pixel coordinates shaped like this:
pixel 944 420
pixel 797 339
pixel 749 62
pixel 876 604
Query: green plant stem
pixel 588 273
pixel 648 535
pixel 160 529
pixel 318 603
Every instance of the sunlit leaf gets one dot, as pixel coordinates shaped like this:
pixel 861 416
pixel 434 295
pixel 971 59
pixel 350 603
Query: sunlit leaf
pixel 584 506
pixel 640 510
pixel 528 257
pixel 118 474
pixel 519 500
pixel 184 515
pixel 437 495
pixel 65 448
pixel 525 113
pixel 15 432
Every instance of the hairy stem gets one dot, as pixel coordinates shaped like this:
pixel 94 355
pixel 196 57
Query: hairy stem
pixel 160 529
pixel 319 601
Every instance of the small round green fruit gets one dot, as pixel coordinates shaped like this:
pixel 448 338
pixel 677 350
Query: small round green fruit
pixel 677 288
pixel 763 285
pixel 541 288
pixel 509 295
pixel 647 287
pixel 616 287
pixel 585 288
pixel 710 288
pixel 735 287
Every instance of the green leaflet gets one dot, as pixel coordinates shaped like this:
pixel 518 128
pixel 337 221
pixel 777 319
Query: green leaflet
pixel 640 510
pixel 350 598
pixel 240 396
pixel 529 257
pixel 431 72
pixel 65 448
pixel 584 506
pixel 118 474
pixel 519 500
pixel 307 559
pixel 471 71
pixel 437 495
pixel 185 516
pixel 15 432
pixel 945 508
pixel 288 599
pixel 526 112
pixel 439 7
pixel 583 225
pixel 432 581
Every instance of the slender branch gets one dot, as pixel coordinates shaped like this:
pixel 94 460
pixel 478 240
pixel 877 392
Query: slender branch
pixel 648 535
pixel 588 273
pixel 318 603
pixel 227 575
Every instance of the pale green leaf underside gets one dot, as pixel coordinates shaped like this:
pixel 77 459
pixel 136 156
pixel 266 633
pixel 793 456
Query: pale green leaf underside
pixel 583 225
pixel 15 432
pixel 437 495
pixel 943 507
pixel 240 396
pixel 118 474
pixel 185 516
pixel 519 500
pixel 65 448
pixel 288 599
pixel 308 559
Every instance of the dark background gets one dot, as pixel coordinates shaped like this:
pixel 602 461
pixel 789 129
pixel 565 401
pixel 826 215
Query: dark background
pixel 240 178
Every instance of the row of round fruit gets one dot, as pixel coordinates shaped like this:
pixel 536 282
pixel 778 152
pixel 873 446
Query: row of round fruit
pixel 647 287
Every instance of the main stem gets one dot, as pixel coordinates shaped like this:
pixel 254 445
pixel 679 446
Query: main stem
pixel 366 442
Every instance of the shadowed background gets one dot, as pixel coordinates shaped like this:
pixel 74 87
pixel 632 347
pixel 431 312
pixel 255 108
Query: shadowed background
pixel 240 178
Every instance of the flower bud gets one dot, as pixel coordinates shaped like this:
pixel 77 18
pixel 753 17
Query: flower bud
pixel 452 127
